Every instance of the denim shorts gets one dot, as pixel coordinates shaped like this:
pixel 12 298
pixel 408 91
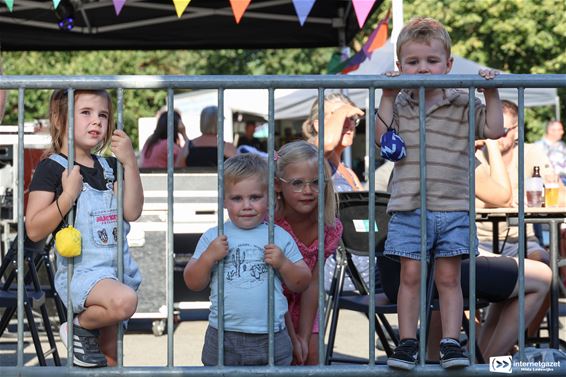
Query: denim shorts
pixel 246 349
pixel 447 234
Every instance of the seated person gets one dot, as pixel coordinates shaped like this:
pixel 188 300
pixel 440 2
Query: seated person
pixel 202 151
pixel 534 156
pixel 248 137
pixel 154 152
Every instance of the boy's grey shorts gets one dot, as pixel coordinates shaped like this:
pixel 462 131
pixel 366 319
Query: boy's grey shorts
pixel 246 349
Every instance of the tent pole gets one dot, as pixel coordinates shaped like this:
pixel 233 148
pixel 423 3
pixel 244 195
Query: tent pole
pixel 345 51
pixel 397 11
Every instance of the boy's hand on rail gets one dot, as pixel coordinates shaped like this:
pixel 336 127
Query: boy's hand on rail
pixel 218 248
pixel 488 74
pixel 391 92
pixel 274 257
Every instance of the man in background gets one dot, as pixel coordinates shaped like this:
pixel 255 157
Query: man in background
pixel 248 137
pixel 554 147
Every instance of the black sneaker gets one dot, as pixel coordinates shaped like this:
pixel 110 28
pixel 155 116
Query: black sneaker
pixel 452 356
pixel 86 352
pixel 405 355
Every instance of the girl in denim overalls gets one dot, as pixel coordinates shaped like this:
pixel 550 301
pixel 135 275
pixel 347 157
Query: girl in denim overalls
pixel 99 300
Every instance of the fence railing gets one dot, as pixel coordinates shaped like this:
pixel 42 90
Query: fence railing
pixel 271 83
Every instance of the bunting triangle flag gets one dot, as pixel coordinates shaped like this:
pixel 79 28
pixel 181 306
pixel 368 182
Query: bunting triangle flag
pixel 56 3
pixel 362 8
pixel 239 7
pixel 180 6
pixel 10 4
pixel 378 37
pixel 118 5
pixel 303 8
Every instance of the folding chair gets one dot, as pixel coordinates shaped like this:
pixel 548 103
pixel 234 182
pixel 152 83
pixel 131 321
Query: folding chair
pixel 34 294
pixel 354 217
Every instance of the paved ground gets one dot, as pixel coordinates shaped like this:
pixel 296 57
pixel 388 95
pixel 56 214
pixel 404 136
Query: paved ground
pixel 145 349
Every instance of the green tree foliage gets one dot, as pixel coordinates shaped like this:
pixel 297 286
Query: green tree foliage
pixel 515 36
pixel 518 36
pixel 140 103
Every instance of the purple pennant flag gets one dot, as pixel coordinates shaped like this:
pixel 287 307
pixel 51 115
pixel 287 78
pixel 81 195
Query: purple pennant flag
pixel 118 5
pixel 303 8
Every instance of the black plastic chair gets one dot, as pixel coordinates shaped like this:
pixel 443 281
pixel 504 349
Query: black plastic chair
pixel 354 216
pixel 35 255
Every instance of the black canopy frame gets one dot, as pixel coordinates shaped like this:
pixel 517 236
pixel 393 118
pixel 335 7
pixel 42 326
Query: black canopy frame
pixel 150 25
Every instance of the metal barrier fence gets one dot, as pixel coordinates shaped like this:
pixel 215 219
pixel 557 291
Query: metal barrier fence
pixel 270 83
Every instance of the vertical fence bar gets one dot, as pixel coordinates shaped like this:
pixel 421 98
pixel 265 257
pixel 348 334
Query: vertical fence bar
pixel 170 222
pixel 20 187
pixel 120 225
pixel 70 220
pixel 422 170
pixel 271 192
pixel 521 193
pixel 220 158
pixel 320 256
pixel 371 231
pixel 472 219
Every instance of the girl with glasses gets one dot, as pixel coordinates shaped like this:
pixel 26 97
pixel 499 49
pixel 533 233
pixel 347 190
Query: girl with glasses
pixel 297 186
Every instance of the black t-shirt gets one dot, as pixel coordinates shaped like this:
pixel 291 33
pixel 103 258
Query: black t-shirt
pixel 47 175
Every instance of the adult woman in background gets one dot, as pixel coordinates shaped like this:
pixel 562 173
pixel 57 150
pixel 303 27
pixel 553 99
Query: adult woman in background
pixel 341 116
pixel 154 152
pixel 202 151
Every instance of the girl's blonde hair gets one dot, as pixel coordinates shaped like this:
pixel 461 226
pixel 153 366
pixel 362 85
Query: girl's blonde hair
pixel 58 109
pixel 309 131
pixel 303 152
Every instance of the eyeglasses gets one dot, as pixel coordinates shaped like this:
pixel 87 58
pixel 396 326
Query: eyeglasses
pixel 355 120
pixel 298 185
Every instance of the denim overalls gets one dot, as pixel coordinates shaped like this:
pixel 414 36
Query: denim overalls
pixel 96 219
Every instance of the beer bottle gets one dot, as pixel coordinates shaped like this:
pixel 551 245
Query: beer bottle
pixel 534 189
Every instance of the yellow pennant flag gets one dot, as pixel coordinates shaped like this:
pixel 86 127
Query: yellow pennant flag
pixel 180 6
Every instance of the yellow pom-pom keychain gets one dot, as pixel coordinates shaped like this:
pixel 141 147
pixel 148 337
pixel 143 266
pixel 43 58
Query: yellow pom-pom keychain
pixel 68 239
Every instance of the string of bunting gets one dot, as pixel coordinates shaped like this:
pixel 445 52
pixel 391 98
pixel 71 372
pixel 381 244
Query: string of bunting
pixel 341 64
pixel 362 8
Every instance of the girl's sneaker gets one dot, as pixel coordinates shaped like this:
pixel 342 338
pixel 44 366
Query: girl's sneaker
pixel 86 351
pixel 405 355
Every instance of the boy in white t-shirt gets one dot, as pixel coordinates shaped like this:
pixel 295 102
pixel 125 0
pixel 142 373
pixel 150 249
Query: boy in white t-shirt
pixel 246 255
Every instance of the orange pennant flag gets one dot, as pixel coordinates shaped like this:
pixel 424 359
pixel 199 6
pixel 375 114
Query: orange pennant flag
pixel 380 37
pixel 180 6
pixel 239 7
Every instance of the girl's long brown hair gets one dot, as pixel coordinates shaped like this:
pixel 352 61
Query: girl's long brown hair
pixel 58 109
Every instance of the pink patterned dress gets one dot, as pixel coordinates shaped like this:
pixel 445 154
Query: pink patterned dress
pixel 332 237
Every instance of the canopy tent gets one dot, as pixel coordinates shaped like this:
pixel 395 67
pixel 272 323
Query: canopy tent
pixel 149 25
pixel 298 104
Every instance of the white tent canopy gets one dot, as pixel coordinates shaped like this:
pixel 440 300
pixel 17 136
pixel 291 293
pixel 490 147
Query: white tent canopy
pixel 298 104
